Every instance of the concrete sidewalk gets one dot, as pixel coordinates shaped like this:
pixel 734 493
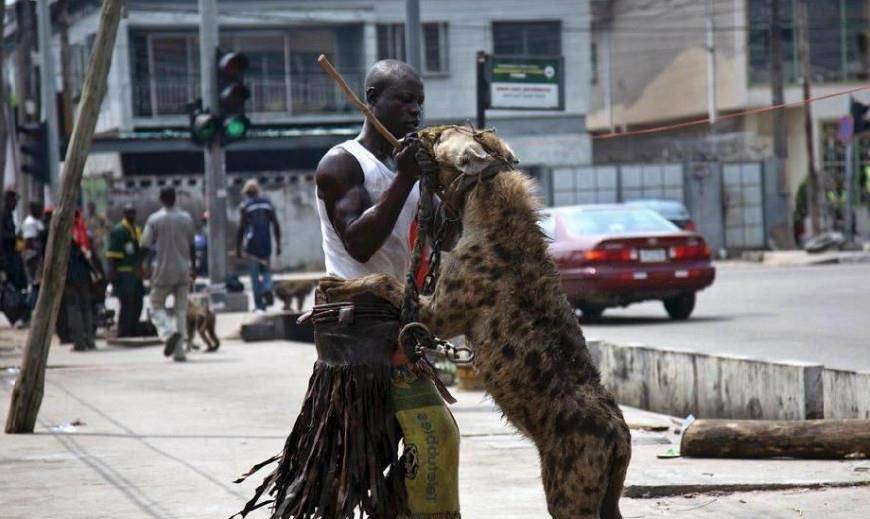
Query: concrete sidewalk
pixel 125 433
pixel 800 258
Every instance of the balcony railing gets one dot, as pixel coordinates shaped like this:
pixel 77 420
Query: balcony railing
pixel 304 94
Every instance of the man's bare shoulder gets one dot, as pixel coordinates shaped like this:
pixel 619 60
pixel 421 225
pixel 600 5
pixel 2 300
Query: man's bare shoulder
pixel 338 170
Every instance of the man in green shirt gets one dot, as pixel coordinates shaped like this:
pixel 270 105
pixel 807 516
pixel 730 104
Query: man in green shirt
pixel 125 272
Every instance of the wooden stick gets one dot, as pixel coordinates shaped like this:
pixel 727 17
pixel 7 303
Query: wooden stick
pixel 334 74
pixel 30 384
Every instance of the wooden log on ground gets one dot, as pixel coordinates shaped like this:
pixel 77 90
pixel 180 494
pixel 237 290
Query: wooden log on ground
pixel 808 439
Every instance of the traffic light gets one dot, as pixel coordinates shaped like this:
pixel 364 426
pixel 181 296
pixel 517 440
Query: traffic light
pixel 34 150
pixel 233 94
pixel 859 122
pixel 204 126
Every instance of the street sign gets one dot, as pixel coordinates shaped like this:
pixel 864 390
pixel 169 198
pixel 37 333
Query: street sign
pixel 518 83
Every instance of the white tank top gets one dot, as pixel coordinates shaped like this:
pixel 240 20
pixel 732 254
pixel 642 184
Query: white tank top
pixel 394 256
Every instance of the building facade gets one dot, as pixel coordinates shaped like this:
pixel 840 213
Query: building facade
pixel 650 69
pixel 298 112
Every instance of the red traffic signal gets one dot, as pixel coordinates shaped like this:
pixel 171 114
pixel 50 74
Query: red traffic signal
pixel 231 67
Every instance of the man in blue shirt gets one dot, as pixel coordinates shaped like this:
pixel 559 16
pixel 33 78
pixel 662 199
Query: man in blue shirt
pixel 254 243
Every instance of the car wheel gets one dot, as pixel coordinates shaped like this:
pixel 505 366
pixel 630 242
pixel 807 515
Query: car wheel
pixel 592 312
pixel 680 307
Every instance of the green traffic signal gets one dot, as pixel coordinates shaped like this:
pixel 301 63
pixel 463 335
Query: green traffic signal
pixel 205 126
pixel 236 127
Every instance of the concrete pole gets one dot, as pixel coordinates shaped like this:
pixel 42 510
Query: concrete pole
pixel 49 99
pixel 782 233
pixel 850 179
pixel 606 79
pixel 214 160
pixel 412 34
pixel 711 64
pixel 814 184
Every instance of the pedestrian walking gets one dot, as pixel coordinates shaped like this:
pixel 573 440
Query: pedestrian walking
pixel 77 301
pixel 167 245
pixel 13 278
pixel 32 231
pixel 254 243
pixel 10 255
pixel 125 272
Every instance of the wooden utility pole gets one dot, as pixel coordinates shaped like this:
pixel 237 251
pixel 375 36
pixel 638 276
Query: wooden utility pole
pixel 29 386
pixel 813 184
pixel 65 73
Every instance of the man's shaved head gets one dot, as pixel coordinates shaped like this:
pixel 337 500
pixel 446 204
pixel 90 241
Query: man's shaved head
pixel 389 72
pixel 394 92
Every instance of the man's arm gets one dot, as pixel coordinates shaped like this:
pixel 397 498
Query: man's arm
pixel 240 234
pixel 276 229
pixel 114 253
pixel 363 224
pixel 146 255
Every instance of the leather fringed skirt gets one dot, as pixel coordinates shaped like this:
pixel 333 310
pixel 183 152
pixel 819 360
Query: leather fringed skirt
pixel 342 453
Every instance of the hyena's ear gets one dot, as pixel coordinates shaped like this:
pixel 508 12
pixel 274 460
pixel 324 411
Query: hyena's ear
pixel 473 159
pixel 461 151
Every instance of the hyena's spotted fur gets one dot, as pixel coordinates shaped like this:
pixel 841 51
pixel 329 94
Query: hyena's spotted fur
pixel 499 288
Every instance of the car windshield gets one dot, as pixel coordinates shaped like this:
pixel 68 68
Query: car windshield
pixel 614 221
pixel 670 209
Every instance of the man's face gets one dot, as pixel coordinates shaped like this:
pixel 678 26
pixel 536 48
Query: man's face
pixel 399 106
pixel 130 215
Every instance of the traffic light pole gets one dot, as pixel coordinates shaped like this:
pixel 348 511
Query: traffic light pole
pixel 214 160
pixel 48 99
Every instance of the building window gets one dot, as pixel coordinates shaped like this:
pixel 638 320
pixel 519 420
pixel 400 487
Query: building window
pixel 283 77
pixel 391 45
pixel 838 37
pixel 527 38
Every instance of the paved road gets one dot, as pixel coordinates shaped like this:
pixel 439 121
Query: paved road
pixel 815 314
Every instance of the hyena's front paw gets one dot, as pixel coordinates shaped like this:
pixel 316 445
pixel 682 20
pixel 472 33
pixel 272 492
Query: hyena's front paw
pixel 381 285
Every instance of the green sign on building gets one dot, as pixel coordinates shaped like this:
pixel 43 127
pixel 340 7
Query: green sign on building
pixel 526 83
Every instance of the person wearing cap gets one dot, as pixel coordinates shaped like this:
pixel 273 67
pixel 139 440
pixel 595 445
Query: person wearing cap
pixel 167 245
pixel 254 243
pixel 125 272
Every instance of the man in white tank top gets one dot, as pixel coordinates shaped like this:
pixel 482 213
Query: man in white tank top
pixel 367 199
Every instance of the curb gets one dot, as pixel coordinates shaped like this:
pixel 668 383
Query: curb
pixel 803 259
pixel 655 491
pixel 682 382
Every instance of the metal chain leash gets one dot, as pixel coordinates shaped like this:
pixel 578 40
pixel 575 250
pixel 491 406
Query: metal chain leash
pixel 415 337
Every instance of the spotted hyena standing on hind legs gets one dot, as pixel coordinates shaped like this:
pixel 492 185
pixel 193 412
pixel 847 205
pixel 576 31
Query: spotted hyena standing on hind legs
pixel 499 288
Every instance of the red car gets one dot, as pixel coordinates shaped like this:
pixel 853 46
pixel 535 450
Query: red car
pixel 614 255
